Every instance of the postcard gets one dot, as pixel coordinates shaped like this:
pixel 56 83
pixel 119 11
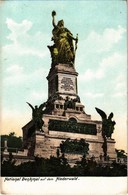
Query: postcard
pixel 63 97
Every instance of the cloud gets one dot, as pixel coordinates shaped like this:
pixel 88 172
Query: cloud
pixel 114 60
pixel 38 96
pixel 121 82
pixel 18 30
pixel 15 74
pixel 120 85
pixel 14 69
pixel 91 74
pixel 24 43
pixel 93 95
pixel 105 41
pixel 107 65
pixel 119 94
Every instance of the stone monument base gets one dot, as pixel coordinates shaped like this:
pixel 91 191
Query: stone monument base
pixel 46 145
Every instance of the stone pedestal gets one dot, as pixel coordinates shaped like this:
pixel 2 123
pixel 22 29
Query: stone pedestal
pixel 62 80
pixel 65 117
pixel 39 142
pixel 111 149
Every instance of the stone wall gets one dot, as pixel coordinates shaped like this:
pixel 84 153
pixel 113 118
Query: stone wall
pixel 46 145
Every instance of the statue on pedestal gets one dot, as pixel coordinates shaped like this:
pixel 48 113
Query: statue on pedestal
pixel 107 123
pixel 71 103
pixel 107 128
pixel 37 114
pixel 63 50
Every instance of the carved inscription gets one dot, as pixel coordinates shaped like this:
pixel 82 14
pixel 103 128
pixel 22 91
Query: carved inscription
pixel 67 84
pixel 72 127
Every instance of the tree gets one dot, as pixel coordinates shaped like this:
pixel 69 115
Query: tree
pixel 13 142
pixel 121 154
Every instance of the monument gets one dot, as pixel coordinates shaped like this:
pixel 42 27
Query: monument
pixel 63 115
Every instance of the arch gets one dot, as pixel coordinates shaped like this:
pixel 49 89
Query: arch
pixel 73 119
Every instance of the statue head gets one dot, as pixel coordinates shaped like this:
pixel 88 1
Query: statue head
pixel 67 98
pixel 36 107
pixel 60 23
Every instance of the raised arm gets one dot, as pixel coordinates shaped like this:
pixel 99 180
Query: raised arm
pixel 53 18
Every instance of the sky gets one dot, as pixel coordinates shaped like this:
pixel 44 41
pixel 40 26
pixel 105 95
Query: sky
pixel 100 58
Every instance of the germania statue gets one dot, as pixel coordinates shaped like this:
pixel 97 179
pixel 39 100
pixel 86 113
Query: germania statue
pixel 63 50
